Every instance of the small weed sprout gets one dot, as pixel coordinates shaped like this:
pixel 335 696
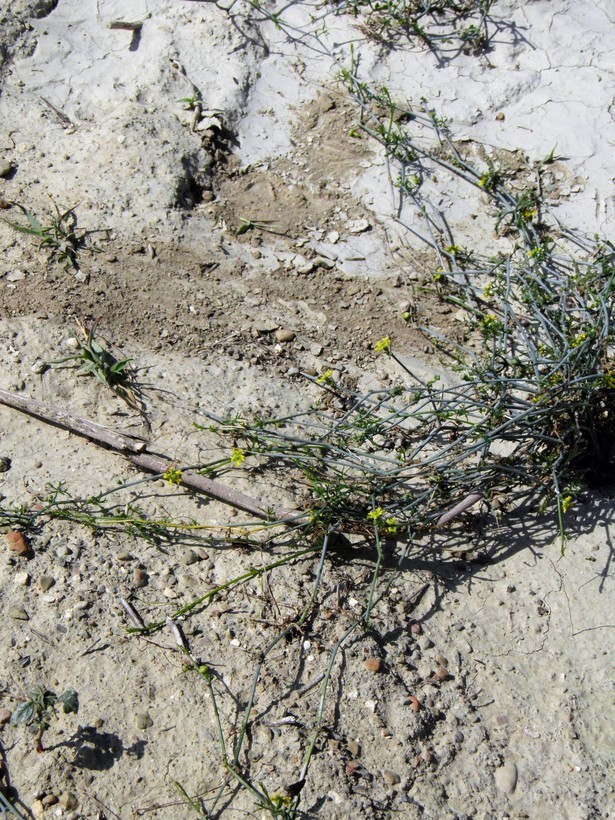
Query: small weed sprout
pixel 191 103
pixel 41 708
pixel 60 237
pixel 94 359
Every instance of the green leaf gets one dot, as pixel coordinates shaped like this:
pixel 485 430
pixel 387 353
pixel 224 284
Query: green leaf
pixel 24 713
pixel 22 228
pixel 69 701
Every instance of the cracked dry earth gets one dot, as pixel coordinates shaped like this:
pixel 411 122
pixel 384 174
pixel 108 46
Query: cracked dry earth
pixel 484 688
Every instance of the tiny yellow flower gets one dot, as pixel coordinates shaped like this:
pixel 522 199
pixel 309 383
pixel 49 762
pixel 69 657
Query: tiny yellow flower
pixel 582 337
pixel 326 378
pixel 238 457
pixel 376 515
pixel 383 346
pixel 173 475
pixel 390 525
pixel 567 503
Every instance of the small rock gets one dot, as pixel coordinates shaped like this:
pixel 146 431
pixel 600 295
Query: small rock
pixel 442 673
pixel 416 628
pixel 426 643
pixel 68 801
pixel 5 464
pixel 303 265
pixel 190 557
pixel 38 810
pixel 22 579
pixel 354 748
pixel 265 327
pixel 391 778
pixel 125 556
pixel 500 116
pixel 110 257
pixel 357 225
pixel 374 664
pixel 17 543
pixel 5 716
pixel 39 367
pixel 5 167
pixel 140 577
pixel 45 582
pixel 18 613
pixel 285 335
pixel 506 778
pixel 49 800
pixel 169 593
pixel 143 720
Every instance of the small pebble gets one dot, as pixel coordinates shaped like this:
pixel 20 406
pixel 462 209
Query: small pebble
pixel 285 335
pixel 374 664
pixel 5 167
pixel 124 556
pixel 416 628
pixel 190 557
pixel 5 464
pixel 442 673
pixel 22 579
pixel 426 643
pixel 18 613
pixel 391 778
pixel 140 578
pixel 143 720
pixel 68 801
pixel 17 543
pixel 354 748
pixel 506 778
pixel 45 582
pixel 39 367
pixel 357 226
pixel 49 800
pixel 5 716
pixel 38 810
pixel 110 257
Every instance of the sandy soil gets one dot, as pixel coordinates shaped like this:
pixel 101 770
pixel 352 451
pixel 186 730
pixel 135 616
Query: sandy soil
pixel 223 321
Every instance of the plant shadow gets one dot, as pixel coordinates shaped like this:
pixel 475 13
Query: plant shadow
pixel 99 751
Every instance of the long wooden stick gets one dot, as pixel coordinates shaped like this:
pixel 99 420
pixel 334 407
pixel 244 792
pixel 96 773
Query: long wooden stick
pixel 135 451
pixel 60 418
pixel 159 464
